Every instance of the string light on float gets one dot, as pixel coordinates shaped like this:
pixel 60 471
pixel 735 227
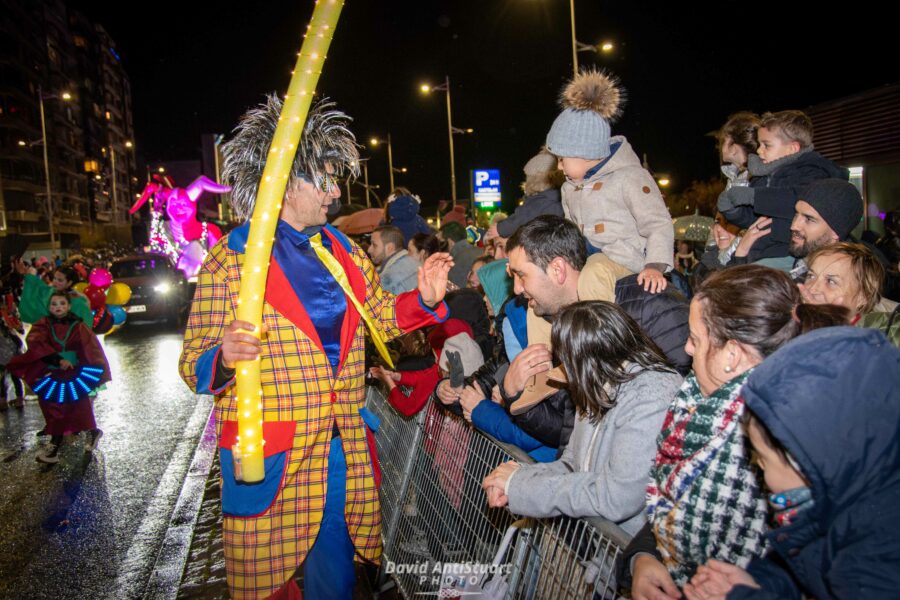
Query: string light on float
pixel 248 451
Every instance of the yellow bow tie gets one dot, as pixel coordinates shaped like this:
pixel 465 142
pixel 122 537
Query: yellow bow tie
pixel 334 267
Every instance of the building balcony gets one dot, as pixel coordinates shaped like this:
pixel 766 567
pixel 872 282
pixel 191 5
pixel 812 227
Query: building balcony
pixel 22 216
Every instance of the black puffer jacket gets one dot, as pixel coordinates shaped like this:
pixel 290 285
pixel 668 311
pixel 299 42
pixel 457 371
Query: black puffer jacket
pixel 663 317
pixel 468 305
pixel 550 422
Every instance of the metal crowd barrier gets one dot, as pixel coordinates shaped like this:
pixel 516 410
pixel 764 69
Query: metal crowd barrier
pixel 441 539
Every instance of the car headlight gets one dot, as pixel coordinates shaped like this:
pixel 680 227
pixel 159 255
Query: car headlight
pixel 162 288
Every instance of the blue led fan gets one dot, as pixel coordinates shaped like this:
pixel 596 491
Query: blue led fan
pixel 68 386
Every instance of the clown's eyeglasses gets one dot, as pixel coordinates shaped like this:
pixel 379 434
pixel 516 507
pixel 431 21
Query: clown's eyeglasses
pixel 326 182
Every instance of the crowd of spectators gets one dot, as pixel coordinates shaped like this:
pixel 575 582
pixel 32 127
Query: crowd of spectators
pixel 743 424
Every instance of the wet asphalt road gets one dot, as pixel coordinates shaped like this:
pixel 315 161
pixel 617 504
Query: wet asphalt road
pixel 92 525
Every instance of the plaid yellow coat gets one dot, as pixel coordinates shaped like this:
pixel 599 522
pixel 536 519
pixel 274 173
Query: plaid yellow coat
pixel 277 521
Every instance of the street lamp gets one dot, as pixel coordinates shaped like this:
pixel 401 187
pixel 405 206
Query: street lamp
pixel 601 48
pixel 41 97
pixel 374 142
pixel 445 87
pixel 604 47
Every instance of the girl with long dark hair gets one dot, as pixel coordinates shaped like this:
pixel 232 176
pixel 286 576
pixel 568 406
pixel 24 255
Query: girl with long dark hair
pixel 621 385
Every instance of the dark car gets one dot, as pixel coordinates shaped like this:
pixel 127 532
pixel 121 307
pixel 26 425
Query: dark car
pixel 159 291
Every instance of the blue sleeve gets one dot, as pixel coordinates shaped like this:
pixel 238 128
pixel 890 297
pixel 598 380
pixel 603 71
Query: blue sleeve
pixel 493 420
pixel 436 312
pixel 774 581
pixel 510 341
pixel 544 454
pixel 211 379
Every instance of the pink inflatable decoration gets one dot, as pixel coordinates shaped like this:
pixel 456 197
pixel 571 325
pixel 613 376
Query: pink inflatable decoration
pixel 181 236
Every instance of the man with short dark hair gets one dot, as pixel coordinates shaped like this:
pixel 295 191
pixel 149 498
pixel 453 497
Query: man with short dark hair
pixel 398 271
pixel 549 265
pixel 462 252
pixel 824 214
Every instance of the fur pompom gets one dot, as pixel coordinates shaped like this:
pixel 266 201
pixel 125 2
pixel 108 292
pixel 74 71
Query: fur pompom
pixel 596 91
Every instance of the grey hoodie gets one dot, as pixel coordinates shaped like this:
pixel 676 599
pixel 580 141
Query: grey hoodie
pixel 605 468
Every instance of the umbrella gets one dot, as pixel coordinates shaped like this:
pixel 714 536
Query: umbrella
pixel 363 221
pixel 693 228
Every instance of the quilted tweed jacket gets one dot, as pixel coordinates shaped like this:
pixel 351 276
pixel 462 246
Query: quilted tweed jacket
pixel 621 211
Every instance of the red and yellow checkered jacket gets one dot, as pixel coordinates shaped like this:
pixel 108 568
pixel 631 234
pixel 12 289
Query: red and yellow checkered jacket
pixel 270 527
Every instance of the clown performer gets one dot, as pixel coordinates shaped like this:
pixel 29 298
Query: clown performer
pixel 317 508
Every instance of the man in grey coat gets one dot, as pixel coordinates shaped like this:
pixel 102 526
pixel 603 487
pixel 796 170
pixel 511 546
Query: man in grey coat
pixel 398 270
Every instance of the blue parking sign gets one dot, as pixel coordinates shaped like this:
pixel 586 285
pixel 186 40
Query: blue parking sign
pixel 486 187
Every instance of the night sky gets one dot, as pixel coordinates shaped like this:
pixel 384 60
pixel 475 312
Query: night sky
pixel 685 68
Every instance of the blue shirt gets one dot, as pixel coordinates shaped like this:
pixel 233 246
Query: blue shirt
pixel 315 288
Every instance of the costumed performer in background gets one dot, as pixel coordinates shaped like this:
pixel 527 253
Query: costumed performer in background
pixel 64 365
pixel 318 506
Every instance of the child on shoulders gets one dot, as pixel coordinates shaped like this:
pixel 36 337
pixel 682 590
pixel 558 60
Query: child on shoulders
pixel 608 194
pixel 785 163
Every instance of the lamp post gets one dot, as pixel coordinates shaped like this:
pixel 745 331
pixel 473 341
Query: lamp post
pixel 374 142
pixel 370 189
pixel 41 97
pixel 574 41
pixel 603 47
pixel 445 87
pixel 365 165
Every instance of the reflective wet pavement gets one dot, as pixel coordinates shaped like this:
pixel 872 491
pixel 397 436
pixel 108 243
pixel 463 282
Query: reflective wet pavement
pixel 92 525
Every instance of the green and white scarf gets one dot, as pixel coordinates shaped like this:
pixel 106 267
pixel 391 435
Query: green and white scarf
pixel 704 499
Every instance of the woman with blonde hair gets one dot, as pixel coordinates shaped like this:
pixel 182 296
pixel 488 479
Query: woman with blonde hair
pixel 850 275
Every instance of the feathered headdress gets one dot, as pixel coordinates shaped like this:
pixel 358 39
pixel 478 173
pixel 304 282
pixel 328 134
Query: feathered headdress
pixel 594 90
pixel 326 139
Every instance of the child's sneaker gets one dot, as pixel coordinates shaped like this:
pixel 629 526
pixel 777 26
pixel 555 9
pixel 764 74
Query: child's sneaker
pixel 94 436
pixel 49 455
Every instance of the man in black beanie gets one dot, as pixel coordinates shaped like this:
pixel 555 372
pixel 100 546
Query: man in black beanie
pixel 826 212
